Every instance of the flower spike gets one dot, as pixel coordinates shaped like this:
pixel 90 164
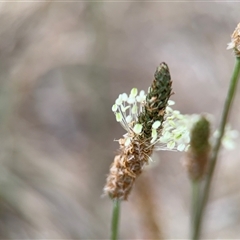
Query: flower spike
pixel 142 116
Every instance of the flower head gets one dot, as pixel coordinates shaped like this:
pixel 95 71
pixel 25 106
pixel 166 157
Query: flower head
pixel 229 137
pixel 235 41
pixel 142 116
pixel 198 153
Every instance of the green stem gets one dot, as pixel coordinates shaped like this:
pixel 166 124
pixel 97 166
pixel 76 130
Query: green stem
pixel 115 219
pixel 213 159
pixel 195 204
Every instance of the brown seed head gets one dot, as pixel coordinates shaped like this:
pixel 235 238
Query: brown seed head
pixel 127 166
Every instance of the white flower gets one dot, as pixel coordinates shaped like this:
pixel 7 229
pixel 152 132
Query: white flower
pixel 119 117
pixel 230 45
pixel 156 124
pixel 114 108
pixel 138 128
pixel 127 142
pixel 235 41
pixel 154 135
pixel 124 97
pixel 229 137
pixel 127 109
pixel 134 92
pixel 141 97
pixel 171 102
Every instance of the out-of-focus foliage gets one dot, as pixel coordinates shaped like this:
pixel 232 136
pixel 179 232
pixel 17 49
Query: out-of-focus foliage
pixel 61 67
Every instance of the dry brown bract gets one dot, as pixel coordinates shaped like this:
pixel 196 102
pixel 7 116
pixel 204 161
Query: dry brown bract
pixel 127 166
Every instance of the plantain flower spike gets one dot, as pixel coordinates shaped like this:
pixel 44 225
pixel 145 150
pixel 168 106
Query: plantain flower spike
pixel 198 152
pixel 151 124
pixel 235 41
pixel 142 116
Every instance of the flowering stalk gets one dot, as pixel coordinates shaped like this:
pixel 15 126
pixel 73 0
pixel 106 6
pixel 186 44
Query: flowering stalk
pixel 115 219
pixel 198 152
pixel 143 124
pixel 196 162
pixel 213 159
pixel 142 116
pixel 235 45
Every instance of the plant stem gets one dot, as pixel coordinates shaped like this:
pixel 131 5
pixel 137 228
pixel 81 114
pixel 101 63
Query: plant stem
pixel 195 204
pixel 115 219
pixel 213 159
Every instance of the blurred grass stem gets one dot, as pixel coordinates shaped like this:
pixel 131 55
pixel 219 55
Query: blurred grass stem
pixel 115 219
pixel 195 204
pixel 213 158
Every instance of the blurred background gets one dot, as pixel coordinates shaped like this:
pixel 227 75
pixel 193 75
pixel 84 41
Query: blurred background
pixel 62 65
